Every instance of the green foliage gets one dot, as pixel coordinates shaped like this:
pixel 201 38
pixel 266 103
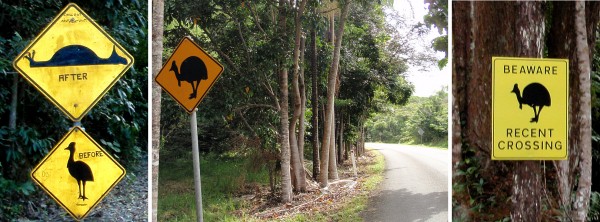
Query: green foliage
pixel 595 103
pixel 594 209
pixel 118 122
pixel 438 16
pixel 401 124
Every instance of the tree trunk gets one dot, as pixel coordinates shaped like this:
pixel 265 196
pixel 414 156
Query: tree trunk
pixel 284 140
pixel 314 102
pixel 331 82
pixel 158 8
pixel 584 116
pixel 297 165
pixel 284 132
pixel 301 126
pixel 333 175
pixel 340 153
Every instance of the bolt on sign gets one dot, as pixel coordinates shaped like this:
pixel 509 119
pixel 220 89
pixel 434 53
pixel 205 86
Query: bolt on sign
pixel 77 173
pixel 73 62
pixel 188 74
pixel 530 108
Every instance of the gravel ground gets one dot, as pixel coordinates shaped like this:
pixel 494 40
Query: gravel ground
pixel 128 201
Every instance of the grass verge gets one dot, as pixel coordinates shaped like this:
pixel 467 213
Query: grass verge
pixel 222 178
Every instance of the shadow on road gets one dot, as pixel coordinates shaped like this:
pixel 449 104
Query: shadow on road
pixel 409 207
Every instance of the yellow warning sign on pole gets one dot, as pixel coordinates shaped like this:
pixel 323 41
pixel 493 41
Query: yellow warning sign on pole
pixel 188 74
pixel 530 108
pixel 73 62
pixel 77 173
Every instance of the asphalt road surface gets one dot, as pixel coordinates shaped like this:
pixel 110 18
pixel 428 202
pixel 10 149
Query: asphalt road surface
pixel 415 187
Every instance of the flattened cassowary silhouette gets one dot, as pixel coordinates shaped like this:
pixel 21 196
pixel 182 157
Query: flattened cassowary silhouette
pixel 192 70
pixel 534 95
pixel 79 170
pixel 75 55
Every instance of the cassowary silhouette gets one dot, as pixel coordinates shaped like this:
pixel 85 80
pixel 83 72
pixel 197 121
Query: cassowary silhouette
pixel 79 170
pixel 192 70
pixel 534 95
pixel 75 55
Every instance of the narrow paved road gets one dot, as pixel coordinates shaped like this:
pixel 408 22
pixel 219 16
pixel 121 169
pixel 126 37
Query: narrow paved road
pixel 415 187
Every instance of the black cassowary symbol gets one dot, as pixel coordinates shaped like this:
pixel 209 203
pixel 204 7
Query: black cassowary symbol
pixel 192 70
pixel 75 55
pixel 79 170
pixel 534 95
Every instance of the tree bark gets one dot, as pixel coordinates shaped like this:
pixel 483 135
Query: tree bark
pixel 461 33
pixel 584 116
pixel 284 136
pixel 284 140
pixel 487 29
pixel 331 82
pixel 340 155
pixel 314 102
pixel 526 193
pixel 333 175
pixel 297 165
pixel 158 8
pixel 301 126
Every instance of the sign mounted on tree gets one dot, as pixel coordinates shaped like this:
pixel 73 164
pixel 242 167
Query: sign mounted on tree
pixel 530 108
pixel 188 74
pixel 77 173
pixel 73 62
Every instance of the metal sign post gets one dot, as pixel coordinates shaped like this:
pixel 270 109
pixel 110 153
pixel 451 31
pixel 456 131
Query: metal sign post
pixel 196 160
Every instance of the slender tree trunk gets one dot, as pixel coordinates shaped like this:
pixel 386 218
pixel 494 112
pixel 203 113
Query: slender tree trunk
pixel 284 132
pixel 331 81
pixel 584 116
pixel 284 140
pixel 340 155
pixel 314 102
pixel 333 175
pixel 158 8
pixel 301 126
pixel 297 165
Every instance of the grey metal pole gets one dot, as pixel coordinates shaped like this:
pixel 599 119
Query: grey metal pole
pixel 196 158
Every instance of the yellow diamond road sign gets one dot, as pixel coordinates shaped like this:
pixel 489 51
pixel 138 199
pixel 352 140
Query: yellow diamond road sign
pixel 530 108
pixel 77 173
pixel 73 62
pixel 188 74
